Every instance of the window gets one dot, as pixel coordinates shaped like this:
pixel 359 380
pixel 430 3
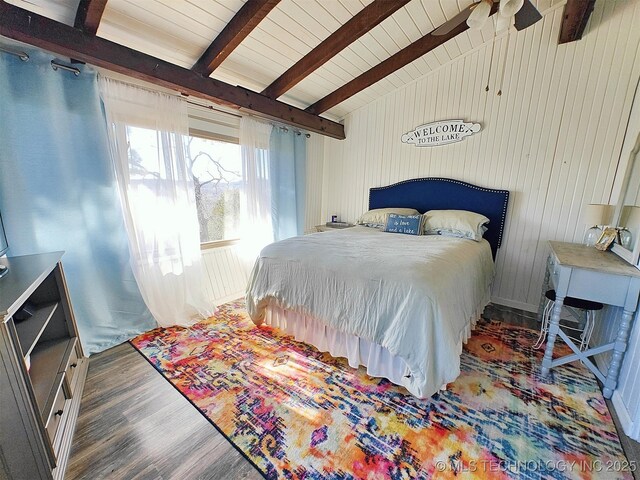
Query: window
pixel 217 174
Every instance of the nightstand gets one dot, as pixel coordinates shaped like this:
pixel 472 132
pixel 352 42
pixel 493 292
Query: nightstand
pixel 329 227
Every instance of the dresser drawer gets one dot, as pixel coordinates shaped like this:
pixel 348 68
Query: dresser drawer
pixel 71 366
pixel 57 413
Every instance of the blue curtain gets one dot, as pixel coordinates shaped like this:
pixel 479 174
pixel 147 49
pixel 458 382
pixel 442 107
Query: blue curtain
pixel 288 155
pixel 58 192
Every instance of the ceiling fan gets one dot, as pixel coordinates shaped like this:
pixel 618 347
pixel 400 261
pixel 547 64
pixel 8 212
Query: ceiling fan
pixel 520 13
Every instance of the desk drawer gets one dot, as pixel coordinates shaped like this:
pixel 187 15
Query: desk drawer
pixel 599 287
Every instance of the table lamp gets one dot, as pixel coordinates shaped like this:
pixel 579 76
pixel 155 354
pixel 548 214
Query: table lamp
pixel 595 215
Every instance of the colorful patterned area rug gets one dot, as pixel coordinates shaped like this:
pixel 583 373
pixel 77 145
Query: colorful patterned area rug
pixel 296 413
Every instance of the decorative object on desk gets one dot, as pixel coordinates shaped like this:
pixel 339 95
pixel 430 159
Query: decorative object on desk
pixel 624 238
pixel 595 215
pixel 440 133
pixel 606 239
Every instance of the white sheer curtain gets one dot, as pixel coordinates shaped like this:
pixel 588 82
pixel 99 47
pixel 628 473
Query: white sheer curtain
pixel 147 136
pixel 257 230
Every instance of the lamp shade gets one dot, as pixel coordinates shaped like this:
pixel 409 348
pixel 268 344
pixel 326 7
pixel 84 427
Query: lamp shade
pixel 596 214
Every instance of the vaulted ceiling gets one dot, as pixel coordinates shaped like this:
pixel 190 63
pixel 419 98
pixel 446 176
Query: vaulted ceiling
pixel 259 41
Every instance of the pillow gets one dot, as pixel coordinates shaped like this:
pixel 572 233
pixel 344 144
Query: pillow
pixel 377 218
pixel 455 223
pixel 409 224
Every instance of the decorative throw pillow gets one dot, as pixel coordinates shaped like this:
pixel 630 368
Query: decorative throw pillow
pixel 377 217
pixel 408 224
pixel 455 223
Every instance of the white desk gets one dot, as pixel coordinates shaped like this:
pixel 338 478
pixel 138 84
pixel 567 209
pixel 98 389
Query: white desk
pixel 579 271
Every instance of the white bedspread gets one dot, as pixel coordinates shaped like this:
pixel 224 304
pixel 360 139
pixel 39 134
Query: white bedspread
pixel 413 295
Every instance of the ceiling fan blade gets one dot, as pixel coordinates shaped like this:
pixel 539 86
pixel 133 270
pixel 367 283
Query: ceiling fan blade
pixel 449 25
pixel 527 16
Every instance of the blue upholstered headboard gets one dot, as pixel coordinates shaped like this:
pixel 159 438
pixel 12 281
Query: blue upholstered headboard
pixel 447 194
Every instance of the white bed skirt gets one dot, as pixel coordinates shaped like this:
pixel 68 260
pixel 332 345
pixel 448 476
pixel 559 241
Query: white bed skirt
pixel 378 361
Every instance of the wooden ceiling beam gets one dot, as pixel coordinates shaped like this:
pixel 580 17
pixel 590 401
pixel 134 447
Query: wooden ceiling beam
pixel 89 14
pixel 238 28
pixel 28 27
pixel 354 28
pixel 388 66
pixel 574 20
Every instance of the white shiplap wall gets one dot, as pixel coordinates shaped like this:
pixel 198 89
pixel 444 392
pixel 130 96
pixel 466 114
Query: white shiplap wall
pixel 553 139
pixel 226 273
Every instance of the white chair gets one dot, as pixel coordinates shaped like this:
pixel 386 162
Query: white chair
pixel 580 334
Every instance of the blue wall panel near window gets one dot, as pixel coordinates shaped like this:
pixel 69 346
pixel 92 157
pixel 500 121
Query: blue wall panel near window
pixel 57 192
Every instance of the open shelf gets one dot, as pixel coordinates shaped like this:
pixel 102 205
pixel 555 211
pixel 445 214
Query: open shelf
pixel 29 330
pixel 48 362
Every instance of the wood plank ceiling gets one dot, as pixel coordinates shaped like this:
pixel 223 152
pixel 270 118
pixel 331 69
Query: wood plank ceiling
pixel 275 36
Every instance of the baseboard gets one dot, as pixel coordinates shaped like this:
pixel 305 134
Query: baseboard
pixel 228 298
pixel 631 429
pixel 514 304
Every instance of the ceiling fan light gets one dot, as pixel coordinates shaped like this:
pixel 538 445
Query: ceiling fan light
pixel 479 14
pixel 508 8
pixel 504 23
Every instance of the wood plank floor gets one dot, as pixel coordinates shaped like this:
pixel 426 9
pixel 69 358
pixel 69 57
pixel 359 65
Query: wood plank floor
pixel 134 425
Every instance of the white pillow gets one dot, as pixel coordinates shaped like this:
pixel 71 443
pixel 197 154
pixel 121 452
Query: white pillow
pixel 455 223
pixel 378 216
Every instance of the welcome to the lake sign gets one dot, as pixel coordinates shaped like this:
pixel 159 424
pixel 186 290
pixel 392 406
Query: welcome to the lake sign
pixel 440 133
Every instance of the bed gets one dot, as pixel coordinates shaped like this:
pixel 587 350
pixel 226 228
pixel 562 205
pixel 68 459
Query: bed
pixel 400 305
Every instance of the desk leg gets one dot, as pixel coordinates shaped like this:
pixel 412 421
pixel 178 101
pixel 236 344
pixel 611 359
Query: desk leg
pixel 545 285
pixel 553 333
pixel 618 353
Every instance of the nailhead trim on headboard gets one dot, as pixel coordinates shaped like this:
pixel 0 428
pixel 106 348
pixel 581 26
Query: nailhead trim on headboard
pixel 459 182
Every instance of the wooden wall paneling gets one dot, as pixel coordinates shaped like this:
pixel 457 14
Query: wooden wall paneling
pixel 342 35
pixel 507 150
pixel 314 176
pixel 22 25
pixel 234 32
pixel 522 234
pixel 553 139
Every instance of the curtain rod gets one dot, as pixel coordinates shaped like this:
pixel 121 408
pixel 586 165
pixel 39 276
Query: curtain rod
pixel 24 56
pixel 211 107
pixel 57 65
pixel 275 124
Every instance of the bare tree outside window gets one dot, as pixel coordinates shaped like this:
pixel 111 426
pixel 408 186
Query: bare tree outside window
pixel 217 176
pixel 216 167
